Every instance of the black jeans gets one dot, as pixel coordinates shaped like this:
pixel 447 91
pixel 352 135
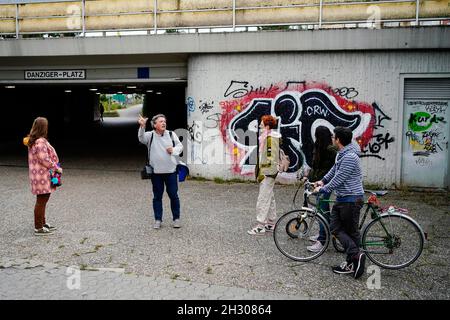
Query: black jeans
pixel 344 225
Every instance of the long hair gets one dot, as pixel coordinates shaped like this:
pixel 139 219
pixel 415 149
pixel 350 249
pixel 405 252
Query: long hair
pixel 323 140
pixel 38 130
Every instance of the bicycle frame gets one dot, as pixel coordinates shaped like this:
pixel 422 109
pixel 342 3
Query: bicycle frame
pixel 382 232
pixel 371 206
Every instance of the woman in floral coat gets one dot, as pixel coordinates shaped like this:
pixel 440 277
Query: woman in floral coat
pixel 42 158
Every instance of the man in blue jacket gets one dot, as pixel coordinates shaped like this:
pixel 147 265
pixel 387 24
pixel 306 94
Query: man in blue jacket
pixel 345 178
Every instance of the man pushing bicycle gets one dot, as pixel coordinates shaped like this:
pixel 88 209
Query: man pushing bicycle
pixel 345 178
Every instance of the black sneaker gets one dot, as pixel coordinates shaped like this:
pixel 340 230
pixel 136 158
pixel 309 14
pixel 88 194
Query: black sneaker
pixel 344 268
pixel 269 227
pixel 50 227
pixel 359 260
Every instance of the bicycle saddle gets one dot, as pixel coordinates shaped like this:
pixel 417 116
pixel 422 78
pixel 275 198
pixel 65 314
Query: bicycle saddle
pixel 378 193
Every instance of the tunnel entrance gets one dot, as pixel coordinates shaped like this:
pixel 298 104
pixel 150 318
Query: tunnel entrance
pixel 76 129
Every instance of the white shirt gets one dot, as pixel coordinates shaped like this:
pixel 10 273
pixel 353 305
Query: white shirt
pixel 160 160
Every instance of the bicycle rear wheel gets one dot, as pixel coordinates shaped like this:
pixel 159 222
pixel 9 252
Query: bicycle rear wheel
pixel 393 241
pixel 293 230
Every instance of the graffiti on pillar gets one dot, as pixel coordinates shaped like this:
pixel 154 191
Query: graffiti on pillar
pixel 426 132
pixel 190 103
pixel 205 107
pixel 301 107
pixel 380 140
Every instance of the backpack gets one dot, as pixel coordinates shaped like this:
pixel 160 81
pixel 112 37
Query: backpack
pixel 283 165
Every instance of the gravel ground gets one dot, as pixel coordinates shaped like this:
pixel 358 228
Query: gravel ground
pixel 104 220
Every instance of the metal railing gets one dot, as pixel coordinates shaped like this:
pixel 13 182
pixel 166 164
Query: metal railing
pixel 81 27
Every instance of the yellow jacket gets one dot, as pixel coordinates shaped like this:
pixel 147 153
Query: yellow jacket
pixel 269 156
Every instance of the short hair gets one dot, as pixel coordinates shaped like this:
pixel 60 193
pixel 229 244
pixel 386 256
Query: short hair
pixel 160 115
pixel 269 120
pixel 344 135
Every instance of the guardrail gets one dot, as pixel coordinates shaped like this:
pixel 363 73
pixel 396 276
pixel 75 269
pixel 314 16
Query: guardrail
pixel 84 17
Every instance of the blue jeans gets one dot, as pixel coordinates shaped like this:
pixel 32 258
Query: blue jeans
pixel 325 208
pixel 170 180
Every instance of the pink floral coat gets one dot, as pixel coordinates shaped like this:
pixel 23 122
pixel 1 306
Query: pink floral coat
pixel 41 158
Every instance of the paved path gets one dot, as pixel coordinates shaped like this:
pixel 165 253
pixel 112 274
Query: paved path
pixel 104 219
pixel 30 279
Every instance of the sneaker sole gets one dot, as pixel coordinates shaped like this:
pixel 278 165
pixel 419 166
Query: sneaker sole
pixel 339 272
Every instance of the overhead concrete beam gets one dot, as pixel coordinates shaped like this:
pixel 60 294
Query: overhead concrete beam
pixel 227 42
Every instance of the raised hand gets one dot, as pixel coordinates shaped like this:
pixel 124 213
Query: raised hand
pixel 142 121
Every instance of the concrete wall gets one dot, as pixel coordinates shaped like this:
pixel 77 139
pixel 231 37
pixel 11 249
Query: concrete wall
pixel 226 92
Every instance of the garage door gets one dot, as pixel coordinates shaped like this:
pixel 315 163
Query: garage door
pixel 426 132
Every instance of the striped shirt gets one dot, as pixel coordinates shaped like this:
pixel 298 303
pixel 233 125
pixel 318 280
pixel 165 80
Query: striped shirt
pixel 345 177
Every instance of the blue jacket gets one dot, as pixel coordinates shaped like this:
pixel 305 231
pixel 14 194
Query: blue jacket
pixel 345 177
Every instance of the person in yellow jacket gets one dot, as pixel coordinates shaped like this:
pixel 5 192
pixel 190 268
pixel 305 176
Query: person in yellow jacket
pixel 267 169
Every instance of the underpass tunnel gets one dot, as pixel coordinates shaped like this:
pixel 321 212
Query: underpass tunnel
pixel 76 131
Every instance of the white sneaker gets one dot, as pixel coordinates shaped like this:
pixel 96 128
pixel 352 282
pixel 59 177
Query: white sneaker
pixel 316 247
pixel 257 230
pixel 157 224
pixel 176 223
pixel 314 238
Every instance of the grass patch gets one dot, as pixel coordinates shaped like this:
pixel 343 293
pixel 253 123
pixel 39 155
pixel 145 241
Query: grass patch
pixel 197 178
pixel 174 276
pixel 83 240
pixel 111 114
pixel 96 248
pixel 209 270
pixel 219 180
pixel 61 246
pixel 373 187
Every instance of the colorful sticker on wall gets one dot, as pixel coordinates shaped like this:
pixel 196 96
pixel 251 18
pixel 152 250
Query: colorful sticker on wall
pixel 426 131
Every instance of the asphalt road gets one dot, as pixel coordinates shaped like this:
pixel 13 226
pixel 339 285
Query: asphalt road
pixel 104 217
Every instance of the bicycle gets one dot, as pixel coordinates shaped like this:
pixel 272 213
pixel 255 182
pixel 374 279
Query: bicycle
pixel 391 240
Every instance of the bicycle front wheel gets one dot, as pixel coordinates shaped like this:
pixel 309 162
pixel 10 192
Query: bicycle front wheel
pixel 292 234
pixel 393 241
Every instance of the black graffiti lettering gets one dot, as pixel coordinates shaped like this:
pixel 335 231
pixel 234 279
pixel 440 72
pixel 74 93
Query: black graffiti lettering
pixel 287 108
pixel 212 121
pixel 379 118
pixel 348 93
pixel 334 115
pixel 376 146
pixel 436 108
pixel 205 107
pixel 254 112
pixel 435 119
pixel 237 89
pixel 293 83
pixel 431 134
pixel 194 133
